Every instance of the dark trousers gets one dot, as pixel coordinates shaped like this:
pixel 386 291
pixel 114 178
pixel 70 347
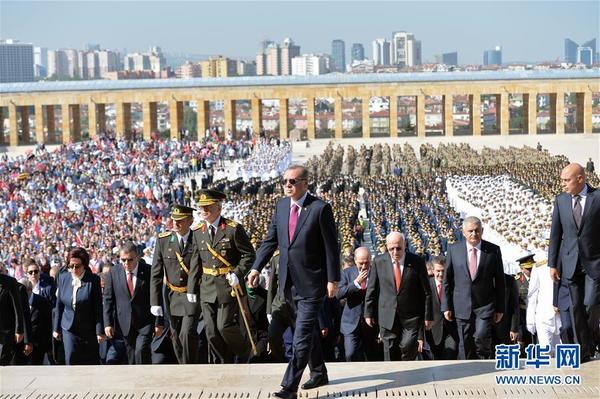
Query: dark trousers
pixel 185 338
pixel 579 313
pixel 361 344
pixel 400 343
pixel 80 348
pixel 7 350
pixel 475 338
pixel 307 345
pixel 138 348
pixel 223 331
pixel 446 349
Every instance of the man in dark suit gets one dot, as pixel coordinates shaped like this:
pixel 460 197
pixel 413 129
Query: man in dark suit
pixel 304 230
pixel 222 255
pixel 171 262
pixel 127 294
pixel 574 252
pixel 360 339
pixel 41 326
pixel 12 322
pixel 398 290
pixel 41 286
pixel 474 290
pixel 443 336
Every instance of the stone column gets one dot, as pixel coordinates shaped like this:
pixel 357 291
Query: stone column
pixel 101 117
pixel 310 118
pixel 448 116
pixel 475 100
pixel 284 111
pixel 24 111
pixel 1 125
pixel 149 116
pixel 557 111
pixel 13 128
pixel 584 112
pixel 530 113
pixel 366 120
pixel 256 105
pixel 123 120
pixel 202 108
pixel 66 123
pixel 502 113
pixel 51 123
pixel 393 115
pixel 76 112
pixel 229 114
pixel 92 120
pixel 339 132
pixel 421 115
pixel 39 123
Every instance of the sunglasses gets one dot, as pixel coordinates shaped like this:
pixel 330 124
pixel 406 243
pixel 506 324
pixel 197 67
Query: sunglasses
pixel 32 272
pixel 74 266
pixel 293 182
pixel 126 260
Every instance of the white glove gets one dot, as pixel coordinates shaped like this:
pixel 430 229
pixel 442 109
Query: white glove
pixel 232 279
pixel 191 298
pixel 531 328
pixel 269 317
pixel 156 310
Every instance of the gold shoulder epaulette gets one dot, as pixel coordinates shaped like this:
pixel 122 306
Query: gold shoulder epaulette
pixel 518 276
pixel 275 253
pixel 197 227
pixel 164 234
pixel 231 223
pixel 543 262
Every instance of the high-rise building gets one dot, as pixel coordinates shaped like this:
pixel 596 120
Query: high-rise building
pixel 92 47
pixel 93 65
pixel 218 67
pixel 570 51
pixel 16 61
pixel 309 65
pixel 288 51
pixel 108 61
pixel 338 54
pixel 381 52
pixel 40 62
pixel 156 59
pixel 592 45
pixel 405 50
pixel 358 52
pixel 273 62
pixel 585 55
pixel 261 64
pixel 188 70
pixel 493 57
pixel 450 58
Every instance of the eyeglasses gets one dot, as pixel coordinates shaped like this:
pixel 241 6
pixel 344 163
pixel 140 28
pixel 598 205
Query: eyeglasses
pixel 293 182
pixel 125 260
pixel 74 266
pixel 32 272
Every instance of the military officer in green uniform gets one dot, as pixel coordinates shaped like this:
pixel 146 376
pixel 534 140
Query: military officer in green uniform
pixel 222 255
pixel 171 264
pixel 522 279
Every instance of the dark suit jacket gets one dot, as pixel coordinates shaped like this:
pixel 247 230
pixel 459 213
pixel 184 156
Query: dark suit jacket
pixel 571 245
pixel 355 300
pixel 26 313
pixel 132 312
pixel 311 259
pixel 86 318
pixel 41 323
pixel 440 326
pixel 485 294
pixel 11 309
pixel 48 290
pixel 413 299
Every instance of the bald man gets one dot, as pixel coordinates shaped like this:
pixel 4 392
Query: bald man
pixel 574 253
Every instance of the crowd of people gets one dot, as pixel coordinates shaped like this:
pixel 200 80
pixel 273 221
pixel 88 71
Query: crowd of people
pixel 121 200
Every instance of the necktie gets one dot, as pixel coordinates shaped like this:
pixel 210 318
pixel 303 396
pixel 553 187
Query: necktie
pixel 577 211
pixel 397 275
pixel 181 245
pixel 212 232
pixel 473 263
pixel 293 221
pixel 130 283
pixel 439 287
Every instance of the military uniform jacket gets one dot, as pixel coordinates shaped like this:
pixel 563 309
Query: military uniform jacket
pixel 166 264
pixel 232 243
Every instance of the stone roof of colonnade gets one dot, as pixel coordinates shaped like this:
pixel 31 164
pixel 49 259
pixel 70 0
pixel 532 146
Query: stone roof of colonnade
pixel 329 79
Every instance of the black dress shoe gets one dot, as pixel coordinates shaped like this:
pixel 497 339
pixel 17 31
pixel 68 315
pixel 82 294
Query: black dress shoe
pixel 285 394
pixel 316 382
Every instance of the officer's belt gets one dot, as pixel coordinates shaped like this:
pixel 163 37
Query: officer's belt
pixel 218 256
pixel 176 288
pixel 181 263
pixel 217 271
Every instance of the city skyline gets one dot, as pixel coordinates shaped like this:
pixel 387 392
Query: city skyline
pixel 197 27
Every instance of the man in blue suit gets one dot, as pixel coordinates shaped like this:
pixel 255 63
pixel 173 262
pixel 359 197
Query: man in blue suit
pixel 474 290
pixel 574 252
pixel 304 230
pixel 127 294
pixel 360 339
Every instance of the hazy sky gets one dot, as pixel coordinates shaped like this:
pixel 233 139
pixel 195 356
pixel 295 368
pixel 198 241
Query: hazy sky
pixel 527 30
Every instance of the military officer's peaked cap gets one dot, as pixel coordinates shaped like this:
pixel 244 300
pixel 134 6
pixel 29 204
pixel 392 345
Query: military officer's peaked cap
pixel 526 262
pixel 209 197
pixel 180 212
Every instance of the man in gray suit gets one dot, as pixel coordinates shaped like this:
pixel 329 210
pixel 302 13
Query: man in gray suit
pixel 474 290
pixel 574 252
